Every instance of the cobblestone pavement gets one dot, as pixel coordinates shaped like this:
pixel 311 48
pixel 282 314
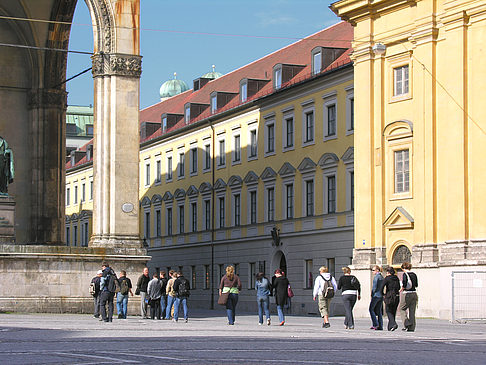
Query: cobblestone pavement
pixel 207 339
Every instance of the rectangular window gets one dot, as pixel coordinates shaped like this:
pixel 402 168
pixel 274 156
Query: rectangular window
pixel 147 174
pixel 331 120
pixel 271 138
pixel 351 117
pixel 244 92
pixel 331 194
pixel 75 236
pixel 402 171
pixel 91 190
pixel 181 219
pixel 193 277
pixel 221 212
pixel 331 265
pixel 221 271
pixel 158 223
pixel 400 80
pixel 207 277
pixel 253 207
pixel 309 197
pixel 222 153
pixel 261 266
pixel 181 164
pixel 290 200
pixel 214 104
pixel 164 124
pixel 278 78
pixel 237 269
pixel 68 196
pixel 188 114
pixel 169 168
pixel 86 234
pixel 76 194
pixel 251 275
pixel 68 236
pixel 309 275
pixel 351 177
pixel 289 141
pixel 147 224
pixel 207 212
pixel 317 63
pixel 194 217
pixel 237 152
pixel 194 160
pixel 83 192
pixel 207 157
pixel 270 204
pixel 237 206
pixel 158 176
pixel 309 126
pixel 169 221
pixel 253 143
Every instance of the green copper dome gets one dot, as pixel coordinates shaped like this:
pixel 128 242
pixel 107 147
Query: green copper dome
pixel 212 75
pixel 172 87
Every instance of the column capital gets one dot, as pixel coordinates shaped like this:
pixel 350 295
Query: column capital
pixel 116 64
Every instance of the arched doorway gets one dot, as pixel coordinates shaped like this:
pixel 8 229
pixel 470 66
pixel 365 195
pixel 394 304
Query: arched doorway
pixel 279 262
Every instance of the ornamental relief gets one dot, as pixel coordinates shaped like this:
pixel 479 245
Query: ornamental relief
pixel 116 64
pixel 104 24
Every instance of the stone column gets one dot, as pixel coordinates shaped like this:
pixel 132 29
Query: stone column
pixel 116 150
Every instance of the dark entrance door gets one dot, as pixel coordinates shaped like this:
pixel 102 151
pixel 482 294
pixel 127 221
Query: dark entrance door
pixel 283 264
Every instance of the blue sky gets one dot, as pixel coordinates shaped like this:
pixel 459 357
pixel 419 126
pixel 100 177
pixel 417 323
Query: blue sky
pixel 174 38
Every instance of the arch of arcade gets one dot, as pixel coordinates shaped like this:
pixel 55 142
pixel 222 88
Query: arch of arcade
pixel 38 272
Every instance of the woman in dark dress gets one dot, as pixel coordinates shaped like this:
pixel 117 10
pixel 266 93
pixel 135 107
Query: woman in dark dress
pixel 391 291
pixel 280 287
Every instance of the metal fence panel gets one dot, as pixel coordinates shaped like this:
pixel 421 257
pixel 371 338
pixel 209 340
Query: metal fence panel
pixel 468 295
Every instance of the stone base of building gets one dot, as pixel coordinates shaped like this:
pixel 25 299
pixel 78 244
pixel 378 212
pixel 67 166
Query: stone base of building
pixel 7 219
pixel 440 296
pixel 55 279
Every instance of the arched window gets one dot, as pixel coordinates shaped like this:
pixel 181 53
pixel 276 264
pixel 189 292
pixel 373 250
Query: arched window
pixel 401 254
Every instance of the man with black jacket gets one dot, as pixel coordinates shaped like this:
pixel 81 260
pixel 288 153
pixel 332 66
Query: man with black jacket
pixel 163 298
pixel 107 286
pixel 96 295
pixel 181 287
pixel 142 285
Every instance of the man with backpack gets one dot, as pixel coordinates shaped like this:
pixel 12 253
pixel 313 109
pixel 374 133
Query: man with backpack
pixel 94 290
pixel 122 296
pixel 109 286
pixel 181 287
pixel 163 298
pixel 325 287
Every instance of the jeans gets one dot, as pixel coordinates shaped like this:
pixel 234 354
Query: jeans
pixel 231 307
pixel 170 302
pixel 177 304
pixel 121 304
pixel 143 304
pixel 107 298
pixel 408 301
pixel 96 302
pixel 155 308
pixel 263 304
pixel 349 300
pixel 280 313
pixel 163 304
pixel 376 310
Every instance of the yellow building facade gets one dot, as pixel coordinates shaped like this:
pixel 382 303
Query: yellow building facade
pixel 418 71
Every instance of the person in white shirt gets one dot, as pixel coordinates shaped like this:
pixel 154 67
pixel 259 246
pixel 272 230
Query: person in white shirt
pixel 324 288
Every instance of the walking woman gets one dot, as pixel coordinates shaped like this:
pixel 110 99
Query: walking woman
pixel 350 291
pixel 263 288
pixel 391 289
pixel 230 283
pixel 280 285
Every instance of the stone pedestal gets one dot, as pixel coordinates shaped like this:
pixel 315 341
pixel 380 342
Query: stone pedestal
pixel 7 219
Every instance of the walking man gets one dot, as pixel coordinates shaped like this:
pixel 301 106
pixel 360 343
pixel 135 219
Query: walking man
pixel 96 294
pixel 122 296
pixel 408 297
pixel 154 293
pixel 181 287
pixel 376 304
pixel 142 284
pixel 325 287
pixel 163 298
pixel 170 293
pixel 108 288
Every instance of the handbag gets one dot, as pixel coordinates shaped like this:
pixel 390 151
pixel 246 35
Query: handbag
pixel 137 291
pixel 290 293
pixel 223 298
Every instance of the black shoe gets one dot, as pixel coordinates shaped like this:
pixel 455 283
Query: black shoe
pixel 326 325
pixel 120 316
pixel 379 329
pixel 410 330
pixel 405 329
pixel 394 327
pixel 105 320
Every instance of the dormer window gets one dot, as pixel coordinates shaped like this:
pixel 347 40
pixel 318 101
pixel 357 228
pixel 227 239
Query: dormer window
pixel 322 57
pixel 193 110
pixel 187 114
pixel 164 124
pixel 317 63
pixel 244 92
pixel 214 103
pixel 283 73
pixel 277 77
pixel 220 99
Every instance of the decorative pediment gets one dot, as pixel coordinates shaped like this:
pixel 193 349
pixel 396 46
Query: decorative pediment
pixel 235 182
pixel 205 188
pixel 399 219
pixel 146 201
pixel 85 214
pixel 168 196
pixel 287 170
pixel 220 184
pixel 348 156
pixel 179 194
pixel 74 217
pixel 156 199
pixel 398 129
pixel 307 165
pixel 328 160
pixel 251 178
pixel 268 174
pixel 192 191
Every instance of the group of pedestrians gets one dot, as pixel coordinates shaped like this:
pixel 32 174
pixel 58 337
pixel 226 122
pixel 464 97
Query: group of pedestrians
pixel 165 295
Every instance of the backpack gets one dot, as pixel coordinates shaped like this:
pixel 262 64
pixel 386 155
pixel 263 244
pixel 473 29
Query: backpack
pixel 183 290
pixel 92 289
pixel 124 287
pixel 328 291
pixel 112 284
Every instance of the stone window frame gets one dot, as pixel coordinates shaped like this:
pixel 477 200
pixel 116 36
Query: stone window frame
pixel 235 183
pixel 193 147
pixel 285 183
pixel 252 128
pixel 269 123
pixel 158 169
pixel 308 271
pixel 157 205
pixel 329 163
pixel 91 187
pixel 147 172
pixel 307 169
pixel 181 163
pixel 307 108
pixel 269 178
pixel 235 133
pixel 221 160
pixel 394 62
pixel 348 159
pixel 68 194
pixel 251 182
pixel 169 176
pixel 243 91
pixel 207 142
pixel 287 114
pixel 350 115
pixel 146 205
pixel 329 100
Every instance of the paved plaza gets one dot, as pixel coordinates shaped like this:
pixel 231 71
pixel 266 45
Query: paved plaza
pixel 207 339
